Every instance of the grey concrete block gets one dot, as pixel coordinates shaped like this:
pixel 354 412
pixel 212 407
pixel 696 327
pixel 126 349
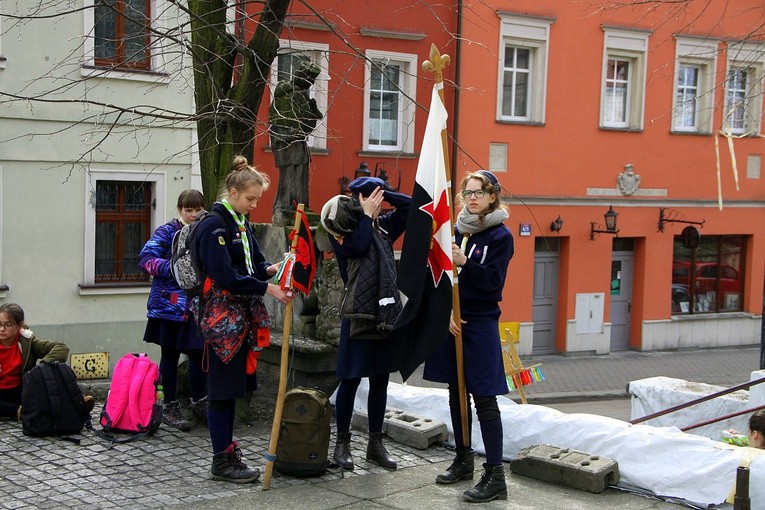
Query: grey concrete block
pixel 406 428
pixel 562 466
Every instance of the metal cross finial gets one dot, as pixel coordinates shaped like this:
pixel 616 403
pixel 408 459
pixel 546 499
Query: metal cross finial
pixel 436 63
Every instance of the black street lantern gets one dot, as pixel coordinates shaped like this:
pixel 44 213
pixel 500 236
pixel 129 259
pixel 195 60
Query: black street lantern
pixel 362 171
pixel 610 218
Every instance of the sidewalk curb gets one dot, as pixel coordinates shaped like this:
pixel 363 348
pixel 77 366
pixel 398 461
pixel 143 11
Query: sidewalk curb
pixel 573 396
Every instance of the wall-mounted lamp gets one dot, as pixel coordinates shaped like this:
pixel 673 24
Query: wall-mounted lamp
pixel 362 171
pixel 673 217
pixel 610 218
pixel 556 225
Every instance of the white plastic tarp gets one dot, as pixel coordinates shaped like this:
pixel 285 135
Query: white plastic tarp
pixel 656 394
pixel 662 460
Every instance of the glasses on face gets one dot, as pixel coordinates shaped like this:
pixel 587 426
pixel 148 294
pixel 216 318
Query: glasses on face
pixel 7 325
pixel 478 193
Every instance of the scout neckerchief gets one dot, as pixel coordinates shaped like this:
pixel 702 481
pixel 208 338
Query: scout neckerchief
pixel 240 219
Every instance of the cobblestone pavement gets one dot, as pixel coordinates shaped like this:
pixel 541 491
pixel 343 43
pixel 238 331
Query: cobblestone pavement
pixel 170 468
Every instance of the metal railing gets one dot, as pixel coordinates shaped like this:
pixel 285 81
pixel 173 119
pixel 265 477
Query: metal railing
pixel 699 400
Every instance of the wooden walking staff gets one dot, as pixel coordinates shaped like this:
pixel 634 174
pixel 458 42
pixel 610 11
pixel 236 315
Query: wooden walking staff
pixel 275 427
pixel 436 65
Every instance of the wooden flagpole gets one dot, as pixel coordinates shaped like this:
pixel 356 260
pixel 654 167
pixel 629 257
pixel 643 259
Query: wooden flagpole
pixel 276 426
pixel 436 65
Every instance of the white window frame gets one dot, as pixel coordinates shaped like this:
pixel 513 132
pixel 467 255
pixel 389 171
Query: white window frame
pixel 157 179
pixel 630 45
pixel 407 107
pixel 533 34
pixel 701 54
pixel 751 58
pixel 158 71
pixel 2 242
pixel 319 55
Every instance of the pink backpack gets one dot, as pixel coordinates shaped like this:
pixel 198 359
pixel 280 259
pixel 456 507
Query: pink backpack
pixel 132 405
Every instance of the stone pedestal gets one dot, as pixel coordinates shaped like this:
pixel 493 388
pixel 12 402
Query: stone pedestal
pixel 311 364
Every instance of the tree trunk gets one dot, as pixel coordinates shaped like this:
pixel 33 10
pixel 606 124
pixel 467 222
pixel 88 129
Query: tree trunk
pixel 227 115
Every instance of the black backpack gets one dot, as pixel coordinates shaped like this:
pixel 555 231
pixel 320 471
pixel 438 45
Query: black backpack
pixel 304 434
pixel 51 401
pixel 184 259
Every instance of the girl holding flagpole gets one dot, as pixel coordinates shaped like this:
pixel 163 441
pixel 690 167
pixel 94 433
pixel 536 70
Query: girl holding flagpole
pixel 234 320
pixel 482 251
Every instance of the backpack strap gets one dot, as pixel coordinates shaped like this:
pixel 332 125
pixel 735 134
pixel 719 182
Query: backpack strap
pixel 137 381
pixel 74 389
pixel 119 407
pixel 54 396
pixel 203 296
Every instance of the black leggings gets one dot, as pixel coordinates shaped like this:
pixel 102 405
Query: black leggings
pixel 10 400
pixel 168 368
pixel 489 419
pixel 346 395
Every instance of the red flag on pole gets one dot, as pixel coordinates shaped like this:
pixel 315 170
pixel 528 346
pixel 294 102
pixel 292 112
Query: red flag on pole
pixel 299 268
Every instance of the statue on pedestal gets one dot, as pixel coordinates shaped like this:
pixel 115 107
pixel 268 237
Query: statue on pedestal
pixel 292 117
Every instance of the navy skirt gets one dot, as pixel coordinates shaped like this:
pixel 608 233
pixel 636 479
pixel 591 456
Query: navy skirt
pixel 182 336
pixel 482 352
pixel 364 358
pixel 228 381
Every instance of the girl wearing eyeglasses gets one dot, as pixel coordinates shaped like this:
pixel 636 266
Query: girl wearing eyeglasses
pixel 20 351
pixel 482 251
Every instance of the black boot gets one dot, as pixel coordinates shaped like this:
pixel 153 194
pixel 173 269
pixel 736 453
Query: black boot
pixel 492 485
pixel 376 452
pixel 343 457
pixel 171 415
pixel 461 469
pixel 228 466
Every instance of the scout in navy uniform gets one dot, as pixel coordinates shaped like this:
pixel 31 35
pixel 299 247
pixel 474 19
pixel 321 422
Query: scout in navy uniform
pixel 362 238
pixel 234 320
pixel 483 249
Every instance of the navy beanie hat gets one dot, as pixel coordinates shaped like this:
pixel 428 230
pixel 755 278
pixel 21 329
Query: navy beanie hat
pixel 366 185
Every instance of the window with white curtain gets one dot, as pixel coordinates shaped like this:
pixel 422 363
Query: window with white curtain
pixel 623 82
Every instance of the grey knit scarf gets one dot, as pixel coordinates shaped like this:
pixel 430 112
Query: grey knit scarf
pixel 469 223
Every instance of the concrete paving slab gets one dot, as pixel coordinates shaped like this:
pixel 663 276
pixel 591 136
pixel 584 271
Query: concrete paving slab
pixel 302 496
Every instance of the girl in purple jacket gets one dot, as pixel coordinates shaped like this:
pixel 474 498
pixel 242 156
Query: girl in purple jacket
pixel 171 324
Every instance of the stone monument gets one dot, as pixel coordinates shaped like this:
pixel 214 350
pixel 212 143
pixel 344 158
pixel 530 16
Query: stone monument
pixel 292 117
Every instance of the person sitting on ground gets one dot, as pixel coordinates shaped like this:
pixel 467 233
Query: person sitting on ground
pixel 20 350
pixel 757 430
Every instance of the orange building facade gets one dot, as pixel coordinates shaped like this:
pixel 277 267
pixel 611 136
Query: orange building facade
pixel 371 88
pixel 652 112
pixel 579 110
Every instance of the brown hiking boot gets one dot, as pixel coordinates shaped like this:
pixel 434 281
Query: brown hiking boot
pixel 90 403
pixel 227 466
pixel 171 415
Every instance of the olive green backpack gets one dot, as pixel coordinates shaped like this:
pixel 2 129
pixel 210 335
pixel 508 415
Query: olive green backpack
pixel 304 434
